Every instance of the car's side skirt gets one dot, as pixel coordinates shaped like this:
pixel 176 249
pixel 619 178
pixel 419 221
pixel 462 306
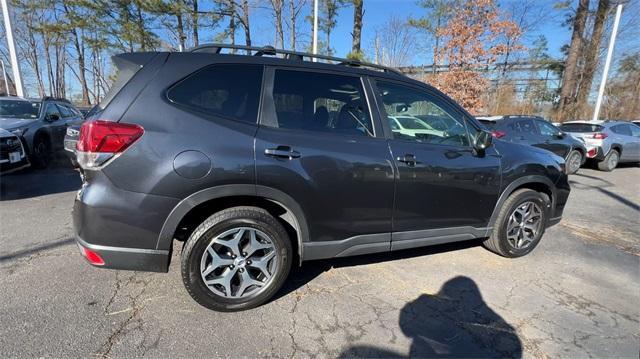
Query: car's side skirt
pixel 385 242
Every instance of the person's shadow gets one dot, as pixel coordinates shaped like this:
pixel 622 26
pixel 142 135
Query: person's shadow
pixel 455 323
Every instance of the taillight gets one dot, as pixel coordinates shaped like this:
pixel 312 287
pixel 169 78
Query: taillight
pixel 498 134
pixel 592 153
pixel 599 136
pixel 100 141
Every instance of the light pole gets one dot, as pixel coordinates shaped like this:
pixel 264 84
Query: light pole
pixel 15 66
pixel 607 63
pixel 315 28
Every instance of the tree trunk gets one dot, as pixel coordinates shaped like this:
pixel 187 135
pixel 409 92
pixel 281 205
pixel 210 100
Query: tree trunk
pixel 46 44
pixel 569 76
pixel 436 48
pixel 277 10
pixel 245 23
pixel 292 10
pixel 591 55
pixel 81 60
pixel 357 25
pixel 180 29
pixel 196 19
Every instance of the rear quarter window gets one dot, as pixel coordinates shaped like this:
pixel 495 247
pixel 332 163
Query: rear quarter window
pixel 224 90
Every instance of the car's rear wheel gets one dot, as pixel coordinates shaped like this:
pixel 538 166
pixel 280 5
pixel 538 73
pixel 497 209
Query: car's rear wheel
pixel 236 259
pixel 41 152
pixel 610 161
pixel 574 161
pixel 520 224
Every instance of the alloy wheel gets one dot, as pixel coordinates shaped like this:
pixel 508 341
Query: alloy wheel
pixel 525 222
pixel 574 162
pixel 613 160
pixel 239 263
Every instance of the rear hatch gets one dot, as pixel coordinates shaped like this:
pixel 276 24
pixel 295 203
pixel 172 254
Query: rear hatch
pixel 589 133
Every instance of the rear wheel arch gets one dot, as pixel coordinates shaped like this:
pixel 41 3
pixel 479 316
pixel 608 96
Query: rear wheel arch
pixel 191 211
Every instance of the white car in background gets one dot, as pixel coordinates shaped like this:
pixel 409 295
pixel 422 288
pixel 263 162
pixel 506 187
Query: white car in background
pixel 412 126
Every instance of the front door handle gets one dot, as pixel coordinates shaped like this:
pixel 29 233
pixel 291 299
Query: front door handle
pixel 408 159
pixel 282 152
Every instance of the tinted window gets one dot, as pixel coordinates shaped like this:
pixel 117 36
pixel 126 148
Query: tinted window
pixel 65 111
pixel 621 130
pixel 489 124
pixel 229 91
pixel 320 102
pixel 19 109
pixel 52 109
pixel 580 127
pixel 547 129
pixel 421 118
pixel 524 126
pixel 635 130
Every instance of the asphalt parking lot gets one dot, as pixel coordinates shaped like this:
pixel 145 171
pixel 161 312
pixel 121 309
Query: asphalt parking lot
pixel 576 295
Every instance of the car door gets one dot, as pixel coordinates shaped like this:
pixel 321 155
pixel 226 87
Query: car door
pixel 624 136
pixel 551 139
pixel 318 143
pixel 444 189
pixel 54 124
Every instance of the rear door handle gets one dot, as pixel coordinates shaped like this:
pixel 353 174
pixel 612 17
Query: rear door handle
pixel 282 152
pixel 408 159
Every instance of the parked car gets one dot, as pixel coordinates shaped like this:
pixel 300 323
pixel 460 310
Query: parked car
pixel 40 124
pixel 536 131
pixel 608 142
pixel 12 154
pixel 255 169
pixel 636 122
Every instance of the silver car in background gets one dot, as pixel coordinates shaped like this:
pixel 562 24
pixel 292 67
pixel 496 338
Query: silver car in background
pixel 607 142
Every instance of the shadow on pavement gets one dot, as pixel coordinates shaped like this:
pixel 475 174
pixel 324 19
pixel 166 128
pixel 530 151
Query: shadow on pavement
pixel 59 177
pixel 602 189
pixel 454 323
pixel 33 250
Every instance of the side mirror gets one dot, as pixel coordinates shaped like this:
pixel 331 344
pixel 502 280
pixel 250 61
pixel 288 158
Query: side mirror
pixel 484 140
pixel 52 118
pixel 560 135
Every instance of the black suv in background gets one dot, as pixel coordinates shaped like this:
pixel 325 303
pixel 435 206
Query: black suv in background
pixel 536 131
pixel 258 162
pixel 40 124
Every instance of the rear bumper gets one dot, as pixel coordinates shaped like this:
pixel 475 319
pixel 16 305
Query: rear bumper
pixel 148 260
pixel 595 153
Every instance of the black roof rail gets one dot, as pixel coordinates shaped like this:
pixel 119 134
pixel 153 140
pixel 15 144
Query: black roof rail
pixel 59 99
pixel 291 55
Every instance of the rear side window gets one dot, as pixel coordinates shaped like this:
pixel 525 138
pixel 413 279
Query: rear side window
pixel 523 126
pixel 580 127
pixel 320 102
pixel 622 130
pixel 65 111
pixel 224 90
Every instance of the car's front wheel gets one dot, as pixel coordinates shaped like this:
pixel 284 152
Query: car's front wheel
pixel 520 224
pixel 41 153
pixel 236 259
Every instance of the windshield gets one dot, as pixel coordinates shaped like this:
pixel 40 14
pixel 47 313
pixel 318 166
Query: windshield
pixel 412 123
pixel 580 127
pixel 19 109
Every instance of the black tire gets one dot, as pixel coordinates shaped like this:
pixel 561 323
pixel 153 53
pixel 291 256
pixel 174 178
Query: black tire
pixel 574 161
pixel 498 242
pixel 41 152
pixel 196 245
pixel 610 161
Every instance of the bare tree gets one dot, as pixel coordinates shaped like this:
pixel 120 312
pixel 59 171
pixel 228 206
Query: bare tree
pixel 277 9
pixel 393 43
pixel 356 34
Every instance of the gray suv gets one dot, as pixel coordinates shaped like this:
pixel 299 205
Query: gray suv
pixel 608 142
pixel 40 124
pixel 259 162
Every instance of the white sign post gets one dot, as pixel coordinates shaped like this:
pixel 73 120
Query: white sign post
pixel 15 67
pixel 607 63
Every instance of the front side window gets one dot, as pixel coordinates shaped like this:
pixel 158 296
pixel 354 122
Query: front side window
pixel 224 90
pixel 320 102
pixel 65 111
pixel 19 109
pixel 52 110
pixel 421 119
